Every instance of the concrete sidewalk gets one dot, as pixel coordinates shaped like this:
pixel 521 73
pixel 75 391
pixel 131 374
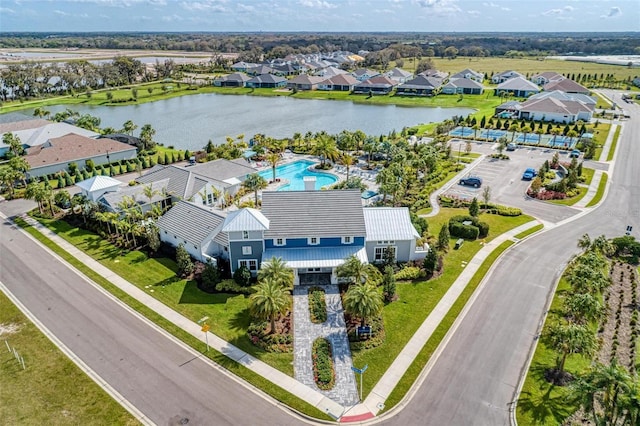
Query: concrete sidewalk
pixel 381 391
pixel 277 377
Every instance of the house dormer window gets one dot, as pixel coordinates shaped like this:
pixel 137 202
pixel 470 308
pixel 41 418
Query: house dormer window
pixel 279 242
pixel 245 235
pixel 313 241
pixel 347 240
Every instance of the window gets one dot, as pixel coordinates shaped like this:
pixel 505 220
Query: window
pixel 245 235
pixel 210 199
pixel 246 250
pixel 279 242
pixel 251 264
pixel 385 242
pixel 379 253
pixel 313 241
pixel 347 240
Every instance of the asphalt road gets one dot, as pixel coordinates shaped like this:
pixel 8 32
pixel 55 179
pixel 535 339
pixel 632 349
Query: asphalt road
pixel 165 381
pixel 474 380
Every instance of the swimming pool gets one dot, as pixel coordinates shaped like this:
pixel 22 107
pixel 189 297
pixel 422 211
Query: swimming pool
pixel 295 173
pixel 368 194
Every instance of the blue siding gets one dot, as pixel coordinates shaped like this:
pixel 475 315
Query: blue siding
pixel 324 242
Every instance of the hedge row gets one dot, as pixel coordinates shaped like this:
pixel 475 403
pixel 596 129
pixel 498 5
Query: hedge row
pixel 323 372
pixel 473 231
pixel 317 305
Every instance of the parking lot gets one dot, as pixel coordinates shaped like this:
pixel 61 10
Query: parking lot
pixel 504 177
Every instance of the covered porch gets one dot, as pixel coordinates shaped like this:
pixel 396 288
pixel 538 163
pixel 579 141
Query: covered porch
pixel 315 265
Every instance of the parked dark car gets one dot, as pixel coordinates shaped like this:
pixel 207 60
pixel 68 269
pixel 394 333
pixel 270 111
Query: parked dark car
pixel 474 181
pixel 529 174
pixel 511 147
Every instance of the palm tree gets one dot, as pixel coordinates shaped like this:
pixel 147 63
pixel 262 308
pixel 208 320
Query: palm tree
pixel 276 270
pixel 540 132
pixel 358 272
pixel 254 182
pixel 525 131
pixel 583 308
pixel 513 129
pixel 325 148
pixel 128 127
pixel 35 192
pixel 584 242
pixel 347 160
pixel 363 301
pixel 269 300
pixel 570 339
pixel 273 158
pixel 555 132
pixel 475 128
pixel 585 279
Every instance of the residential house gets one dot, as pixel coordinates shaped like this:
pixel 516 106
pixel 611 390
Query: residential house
pixel 260 70
pixel 55 154
pixel 95 187
pixel 112 200
pixel 305 82
pixel 197 228
pixel 329 72
pixel 546 77
pixel 442 75
pixel 243 66
pixel 363 74
pixel 419 86
pixel 237 79
pixel 378 85
pixel 518 86
pixel 390 228
pixel 555 110
pixel 399 75
pixel 504 76
pixel 36 131
pixel 464 86
pixel 342 83
pixel 469 74
pixel 286 69
pixel 566 85
pixel 266 81
pixel 245 231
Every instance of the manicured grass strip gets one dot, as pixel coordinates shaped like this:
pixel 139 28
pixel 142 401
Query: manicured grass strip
pixel 429 348
pixel 52 389
pixel 599 194
pixel 614 144
pixel 529 231
pixel 255 379
pixel 588 173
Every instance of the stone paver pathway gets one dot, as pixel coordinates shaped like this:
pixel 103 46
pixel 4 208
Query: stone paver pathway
pixel 345 391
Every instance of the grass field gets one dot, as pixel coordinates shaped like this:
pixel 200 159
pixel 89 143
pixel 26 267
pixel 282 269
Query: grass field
pixel 600 193
pixel 529 231
pixel 51 390
pixel 614 144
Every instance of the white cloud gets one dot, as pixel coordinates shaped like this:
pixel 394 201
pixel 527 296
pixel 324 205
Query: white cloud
pixel 7 10
pixel 613 12
pixel 440 7
pixel 204 6
pixel 384 11
pixel 473 12
pixel 506 9
pixel 61 13
pixel 317 4
pixel 246 8
pixel 172 18
pixel 560 12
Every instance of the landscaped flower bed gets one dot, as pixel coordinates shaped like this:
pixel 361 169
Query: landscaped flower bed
pixel 317 305
pixel 323 372
pixel 279 342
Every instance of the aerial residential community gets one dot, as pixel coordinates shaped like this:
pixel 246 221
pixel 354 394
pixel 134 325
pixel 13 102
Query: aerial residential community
pixel 278 227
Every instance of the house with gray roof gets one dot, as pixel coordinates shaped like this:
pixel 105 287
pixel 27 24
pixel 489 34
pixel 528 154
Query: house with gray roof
pixel 518 86
pixel 313 232
pixel 237 79
pixel 419 86
pixel 555 106
pixel 469 74
pixel 112 200
pixel 94 187
pixel 260 69
pixel 342 82
pixel 546 77
pixel 378 85
pixel 464 86
pixel 363 74
pixel 305 82
pixel 197 228
pixel 399 75
pixel 504 76
pixel 266 81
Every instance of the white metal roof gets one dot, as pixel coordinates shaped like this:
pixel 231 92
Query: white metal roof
pixel 315 257
pixel 247 219
pixel 98 182
pixel 389 223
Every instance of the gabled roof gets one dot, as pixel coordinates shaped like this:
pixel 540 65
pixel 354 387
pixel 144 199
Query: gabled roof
pixel 514 74
pixel 549 105
pixel 464 83
pixel 378 81
pixel 192 223
pixel 262 69
pixel 398 73
pixel 302 214
pixel 389 223
pixel 362 71
pixel 332 71
pixel 97 183
pixel 566 85
pixel 247 219
pixel 222 169
pixel 178 179
pixel 467 71
pixel 113 199
pixel 518 83
pixel 267 78
pixel 563 96
pixel 244 65
pixel 236 76
pixel 549 75
pixel 307 79
pixel 435 73
pixel 41 134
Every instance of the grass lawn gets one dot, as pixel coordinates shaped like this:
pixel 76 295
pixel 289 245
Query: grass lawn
pixel 529 231
pixel 600 193
pixel 600 132
pixel 228 313
pixel 429 348
pixel 542 403
pixel 52 389
pixel 614 144
pixel 254 379
pixel 417 299
pixel 588 173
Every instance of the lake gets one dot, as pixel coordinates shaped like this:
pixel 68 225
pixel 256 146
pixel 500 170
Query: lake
pixel 188 122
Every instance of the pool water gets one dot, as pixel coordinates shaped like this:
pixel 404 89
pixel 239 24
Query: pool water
pixel 295 173
pixel 368 194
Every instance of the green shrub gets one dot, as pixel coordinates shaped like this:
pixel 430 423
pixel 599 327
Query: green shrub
pixel 242 276
pixel 230 286
pixel 409 273
pixel 317 305
pixel 468 232
pixel 323 372
pixel 508 211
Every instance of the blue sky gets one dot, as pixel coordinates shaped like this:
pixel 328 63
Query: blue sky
pixel 320 15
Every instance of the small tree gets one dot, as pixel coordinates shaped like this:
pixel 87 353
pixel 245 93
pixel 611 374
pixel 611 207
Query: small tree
pixel 486 196
pixel 389 256
pixel 474 209
pixel 389 285
pixel 536 186
pixel 242 276
pixel 443 237
pixel 153 238
pixel 183 259
pixel 431 261
pixel 210 276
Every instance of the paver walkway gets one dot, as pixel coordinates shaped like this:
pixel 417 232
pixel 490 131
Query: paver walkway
pixel 278 378
pixel 334 329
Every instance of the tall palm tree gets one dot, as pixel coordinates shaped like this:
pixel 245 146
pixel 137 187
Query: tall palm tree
pixel 273 158
pixel 149 192
pixel 347 160
pixel 35 192
pixel 325 148
pixel 363 301
pixel 276 270
pixel 358 272
pixel 128 127
pixel 513 129
pixel 584 242
pixel 254 182
pixel 583 308
pixel 268 301
pixel 585 279
pixel 540 132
